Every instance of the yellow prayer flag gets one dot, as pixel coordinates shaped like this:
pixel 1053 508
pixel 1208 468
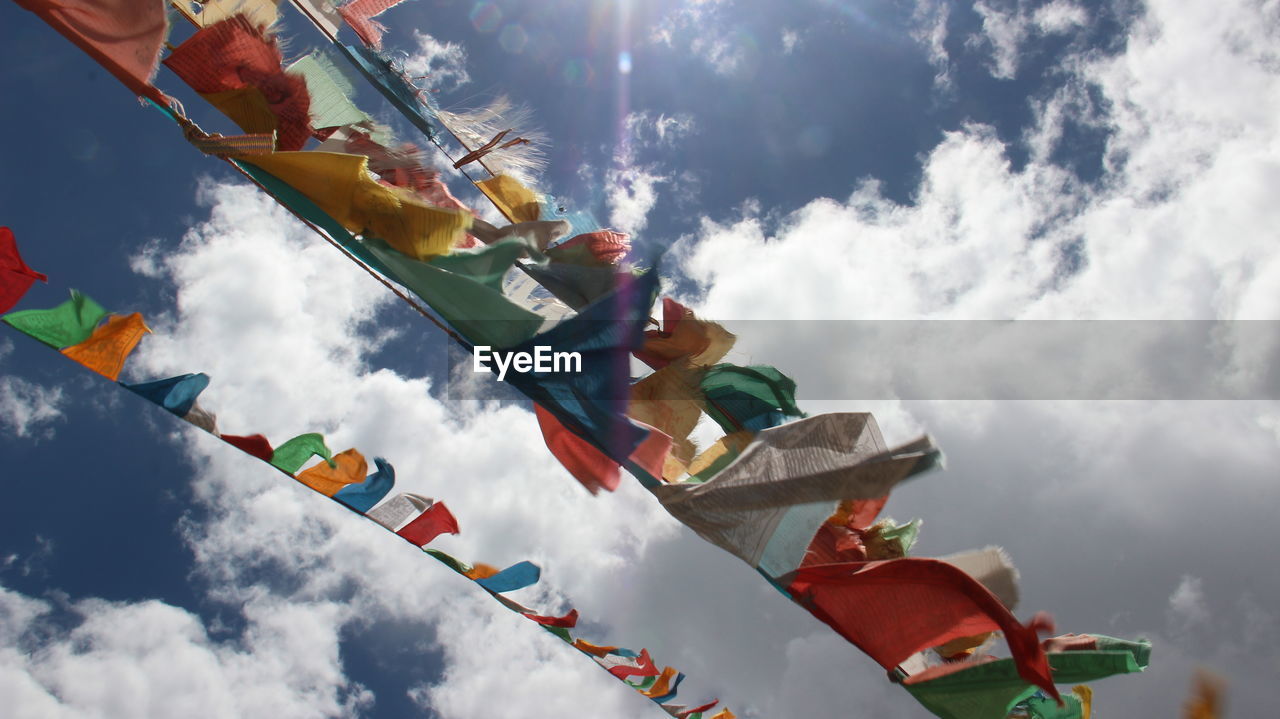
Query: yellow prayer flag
pixel 670 401
pixel 247 107
pixel 350 468
pixel 515 201
pixel 341 185
pixel 107 348
pixel 1084 693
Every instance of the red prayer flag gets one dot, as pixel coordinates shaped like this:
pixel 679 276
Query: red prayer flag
pixel 123 36
pixel 234 55
pixel 690 712
pixel 643 668
pixel 256 445
pixel 892 609
pixel 359 15
pixel 15 276
pixel 568 621
pixel 430 524
pixel 592 468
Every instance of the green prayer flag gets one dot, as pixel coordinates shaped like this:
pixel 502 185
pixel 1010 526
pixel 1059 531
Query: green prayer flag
pixel 559 632
pixel 449 561
pixel 1140 649
pixel 70 323
pixel 1042 707
pixel 291 455
pixel 330 91
pixel 743 397
pixel 465 288
pixel 992 689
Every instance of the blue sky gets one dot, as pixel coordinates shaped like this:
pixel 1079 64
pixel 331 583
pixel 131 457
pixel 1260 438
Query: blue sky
pixel 831 160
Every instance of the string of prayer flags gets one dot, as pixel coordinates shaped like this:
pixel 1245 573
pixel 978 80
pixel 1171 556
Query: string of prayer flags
pixel 15 276
pixel 226 146
pixel 236 67
pixel 70 323
pixel 123 36
pixel 107 348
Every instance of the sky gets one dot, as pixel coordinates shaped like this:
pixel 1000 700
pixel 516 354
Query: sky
pixel 809 167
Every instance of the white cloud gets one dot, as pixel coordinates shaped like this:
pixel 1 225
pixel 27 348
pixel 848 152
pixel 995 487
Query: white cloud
pixel 444 62
pixel 703 28
pixel 929 28
pixel 1059 16
pixel 1187 603
pixel 1007 29
pixel 150 659
pixel 28 409
pixel 790 40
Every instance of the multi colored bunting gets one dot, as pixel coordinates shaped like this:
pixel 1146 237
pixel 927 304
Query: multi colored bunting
pixel 15 276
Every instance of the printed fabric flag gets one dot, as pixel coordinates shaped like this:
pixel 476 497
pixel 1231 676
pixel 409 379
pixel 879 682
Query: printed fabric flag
pixel 976 690
pixel 15 276
pixel 752 398
pixel 669 401
pixel 176 394
pixel 110 345
pixel 363 496
pixel 822 459
pixel 70 323
pixel 294 453
pixel 591 467
pixel 123 36
pixel 517 576
pixel 347 468
pixel 330 93
pixel 895 608
pixel 602 248
pixel 434 521
pixel 255 445
pixel 516 202
pixel 261 13
pixel 341 186
pixel 464 288
pixel 592 403
pixel 392 83
pixel 234 66
pixel 684 335
pixel 359 15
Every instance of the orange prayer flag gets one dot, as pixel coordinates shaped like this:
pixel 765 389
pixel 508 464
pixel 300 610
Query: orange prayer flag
pixel 592 649
pixel 481 571
pixel 107 348
pixel 663 685
pixel 350 468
